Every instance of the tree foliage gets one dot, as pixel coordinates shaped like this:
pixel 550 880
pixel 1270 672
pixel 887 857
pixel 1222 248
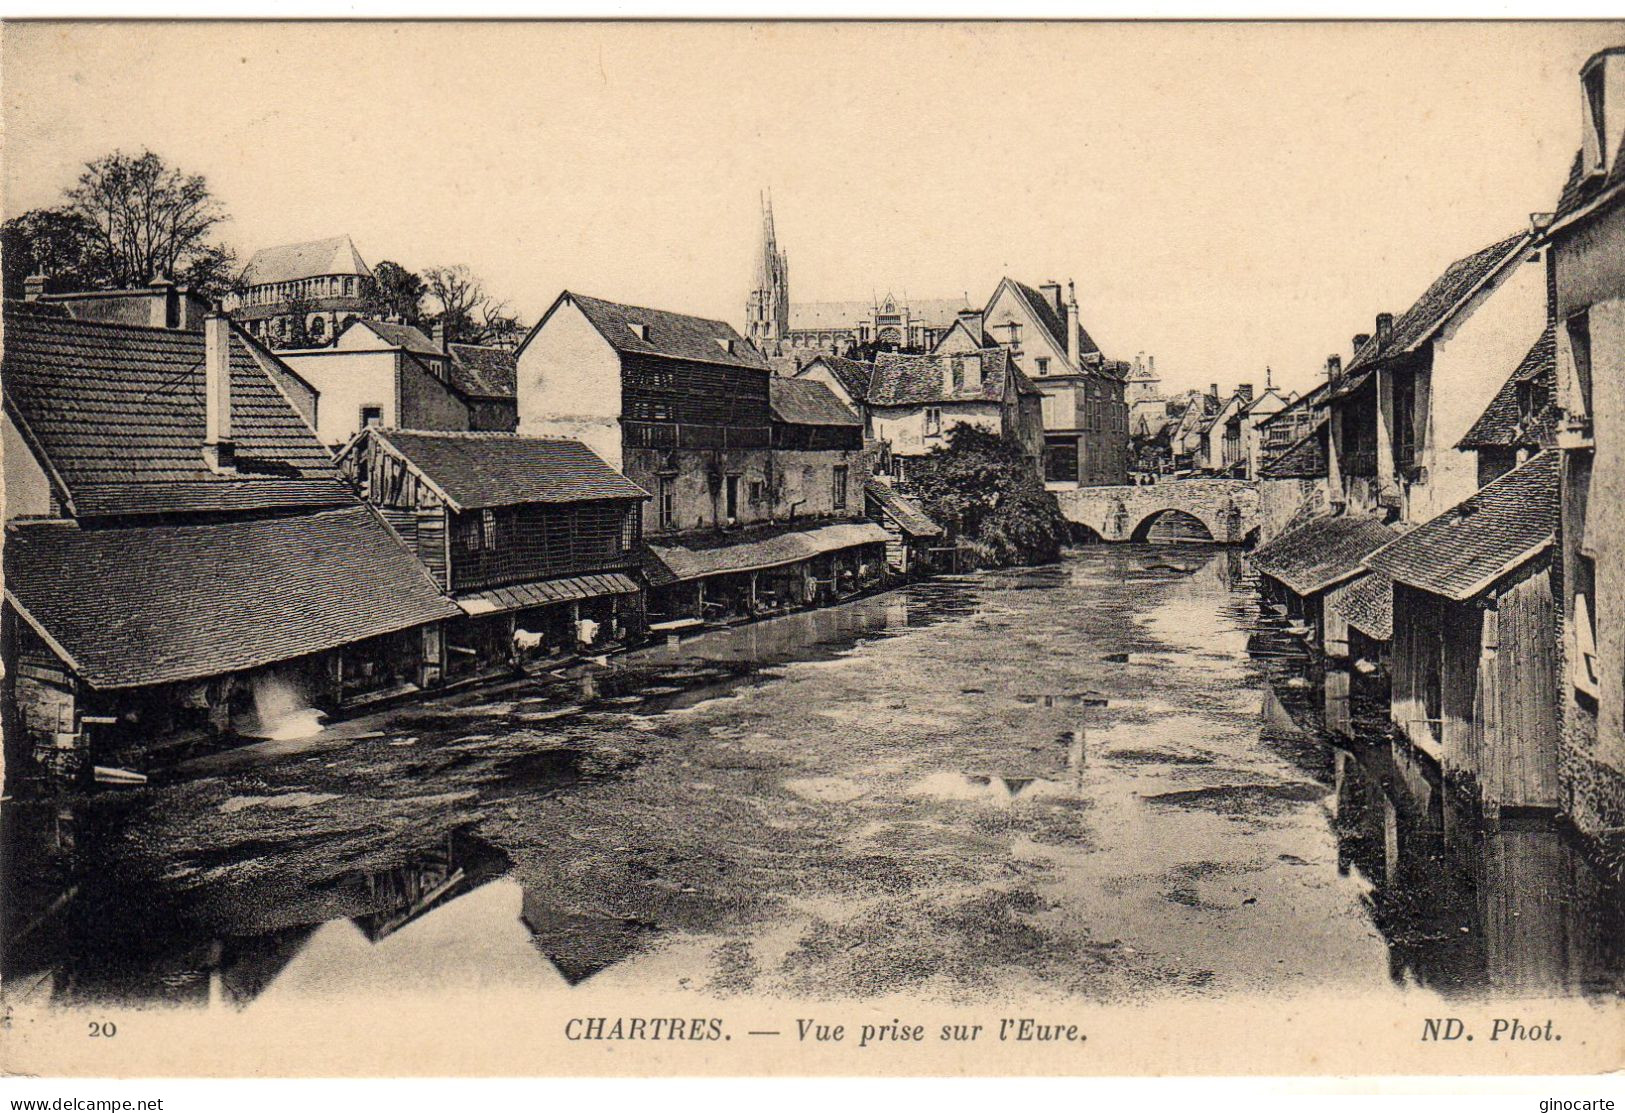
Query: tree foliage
pixel 53 242
pixel 394 291
pixel 989 495
pixel 126 220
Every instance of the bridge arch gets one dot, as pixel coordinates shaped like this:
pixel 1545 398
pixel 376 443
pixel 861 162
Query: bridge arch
pixel 1177 520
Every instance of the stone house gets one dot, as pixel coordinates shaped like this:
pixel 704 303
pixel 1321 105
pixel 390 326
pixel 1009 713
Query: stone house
pixel 914 402
pixel 1587 243
pixel 1084 414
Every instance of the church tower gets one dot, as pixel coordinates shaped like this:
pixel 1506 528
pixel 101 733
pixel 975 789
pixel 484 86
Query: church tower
pixel 767 313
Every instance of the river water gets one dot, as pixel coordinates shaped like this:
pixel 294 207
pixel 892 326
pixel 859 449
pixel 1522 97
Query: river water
pixel 1116 778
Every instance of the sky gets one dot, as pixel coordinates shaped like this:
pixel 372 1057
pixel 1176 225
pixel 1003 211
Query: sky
pixel 1226 196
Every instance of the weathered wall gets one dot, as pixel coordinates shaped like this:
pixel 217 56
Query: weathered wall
pixel 904 426
pixel 569 385
pixel 1283 501
pixel 1591 275
pixel 345 382
pixel 28 492
pixel 806 483
pixel 1470 363
pixel 698 479
pixel 426 401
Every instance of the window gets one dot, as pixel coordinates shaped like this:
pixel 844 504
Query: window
pixel 1579 329
pixel 488 527
pixel 1043 366
pixel 1594 114
pixel 758 490
pixel 1586 670
pixel 349 287
pixel 668 502
pixel 838 496
pixel 933 421
pixel 371 415
pixel 733 497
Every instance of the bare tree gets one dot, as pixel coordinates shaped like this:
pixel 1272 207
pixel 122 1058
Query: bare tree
pixel 145 217
pixel 460 298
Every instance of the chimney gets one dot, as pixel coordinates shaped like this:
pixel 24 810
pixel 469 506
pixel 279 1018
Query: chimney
pixel 1052 291
pixel 163 306
pixel 1385 330
pixel 1334 368
pixel 1213 391
pixel 1151 366
pixel 1360 339
pixel 34 286
pixel 972 319
pixel 1073 344
pixel 218 450
pixel 1246 391
pixel 440 335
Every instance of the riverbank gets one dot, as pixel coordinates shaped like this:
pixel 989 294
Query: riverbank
pixel 1093 780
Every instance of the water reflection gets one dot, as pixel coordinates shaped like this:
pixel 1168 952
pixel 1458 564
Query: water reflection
pixel 1468 906
pixel 425 851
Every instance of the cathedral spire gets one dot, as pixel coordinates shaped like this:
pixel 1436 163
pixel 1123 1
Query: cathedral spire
pixel 767 313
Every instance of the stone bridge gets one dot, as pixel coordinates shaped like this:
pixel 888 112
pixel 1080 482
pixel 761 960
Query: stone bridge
pixel 1226 508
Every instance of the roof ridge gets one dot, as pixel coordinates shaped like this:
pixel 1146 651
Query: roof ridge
pixel 650 309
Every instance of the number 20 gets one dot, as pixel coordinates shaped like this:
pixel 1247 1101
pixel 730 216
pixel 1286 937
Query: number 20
pixel 103 1028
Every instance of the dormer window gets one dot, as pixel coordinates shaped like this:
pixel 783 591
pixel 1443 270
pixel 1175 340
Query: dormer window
pixel 639 330
pixel 1596 120
pixel 725 344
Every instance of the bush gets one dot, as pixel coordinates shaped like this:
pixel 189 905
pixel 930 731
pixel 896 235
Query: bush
pixel 990 498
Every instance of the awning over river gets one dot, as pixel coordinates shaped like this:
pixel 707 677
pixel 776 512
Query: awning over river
pixel 683 563
pixel 542 593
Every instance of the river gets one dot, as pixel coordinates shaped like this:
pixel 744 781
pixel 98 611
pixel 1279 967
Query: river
pixel 1113 779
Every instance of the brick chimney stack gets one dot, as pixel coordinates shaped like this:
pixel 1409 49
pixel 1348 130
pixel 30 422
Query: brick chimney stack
pixel 163 304
pixel 34 286
pixel 1385 330
pixel 1359 341
pixel 1074 345
pixel 1052 291
pixel 1334 368
pixel 440 335
pixel 219 450
pixel 1246 391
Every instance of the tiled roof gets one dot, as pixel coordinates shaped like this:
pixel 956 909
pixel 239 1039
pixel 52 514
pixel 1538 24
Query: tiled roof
pixel 684 563
pixel 1367 604
pixel 400 335
pixel 1581 189
pixel 118 412
pixel 905 380
pixel 807 402
pixel 1462 551
pixel 484 372
pixel 1321 552
pixel 1502 424
pixel 676 335
pixel 1430 310
pixel 479 470
pixel 1304 459
pixel 156 604
pixel 852 374
pixel 907 513
pixel 293 261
